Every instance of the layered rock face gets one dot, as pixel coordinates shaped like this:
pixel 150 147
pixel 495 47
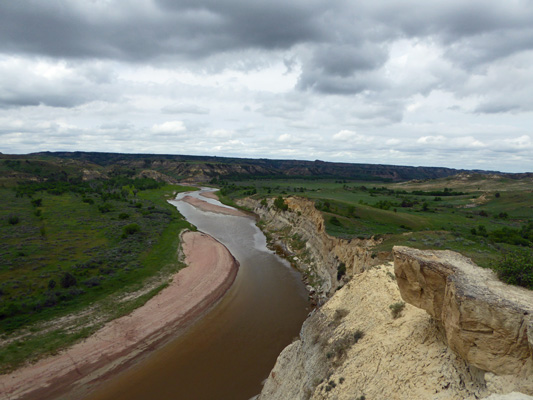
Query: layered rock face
pixel 486 322
pixel 476 340
pixel 401 358
pixel 321 254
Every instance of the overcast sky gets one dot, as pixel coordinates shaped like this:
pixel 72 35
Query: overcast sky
pixel 433 83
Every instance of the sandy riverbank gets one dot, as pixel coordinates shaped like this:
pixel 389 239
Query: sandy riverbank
pixel 209 195
pixel 205 206
pixel 210 273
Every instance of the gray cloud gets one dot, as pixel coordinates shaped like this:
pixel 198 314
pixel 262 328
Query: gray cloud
pixel 233 77
pixel 184 109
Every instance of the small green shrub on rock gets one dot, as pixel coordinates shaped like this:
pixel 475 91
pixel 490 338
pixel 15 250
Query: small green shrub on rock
pixel 397 308
pixel 280 204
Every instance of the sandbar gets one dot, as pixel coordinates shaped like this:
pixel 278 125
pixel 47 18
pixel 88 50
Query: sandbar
pixel 209 195
pixel 205 206
pixel 77 370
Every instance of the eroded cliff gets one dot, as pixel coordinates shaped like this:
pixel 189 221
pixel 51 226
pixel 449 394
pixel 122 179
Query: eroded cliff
pixel 365 342
pixel 326 261
pixel 353 346
pixel 486 322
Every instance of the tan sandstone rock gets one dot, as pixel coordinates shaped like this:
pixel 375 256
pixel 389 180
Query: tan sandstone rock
pixel 322 253
pixel 486 322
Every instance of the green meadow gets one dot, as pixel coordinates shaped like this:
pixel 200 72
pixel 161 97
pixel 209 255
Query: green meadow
pixel 70 253
pixel 480 216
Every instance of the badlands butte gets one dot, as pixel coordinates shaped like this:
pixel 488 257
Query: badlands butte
pixel 461 333
pixel 389 322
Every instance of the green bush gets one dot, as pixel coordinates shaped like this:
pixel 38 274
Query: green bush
pixel 335 221
pixel 130 229
pixel 13 219
pixel 516 268
pixel 341 271
pixel 67 280
pixel 280 204
pixel 396 309
pixel 104 208
pixel 123 216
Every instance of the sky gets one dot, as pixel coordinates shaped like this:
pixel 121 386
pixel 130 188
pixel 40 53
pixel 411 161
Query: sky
pixel 405 82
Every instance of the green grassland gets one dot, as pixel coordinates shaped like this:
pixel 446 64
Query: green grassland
pixel 68 247
pixel 477 215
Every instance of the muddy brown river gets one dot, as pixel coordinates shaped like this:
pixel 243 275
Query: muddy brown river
pixel 230 351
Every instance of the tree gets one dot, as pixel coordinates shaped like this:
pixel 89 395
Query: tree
pixel 68 280
pixel 280 204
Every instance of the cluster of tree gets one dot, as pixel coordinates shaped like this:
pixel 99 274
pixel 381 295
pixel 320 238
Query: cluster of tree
pixel 516 237
pixel 117 188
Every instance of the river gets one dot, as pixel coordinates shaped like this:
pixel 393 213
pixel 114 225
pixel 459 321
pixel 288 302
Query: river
pixel 231 350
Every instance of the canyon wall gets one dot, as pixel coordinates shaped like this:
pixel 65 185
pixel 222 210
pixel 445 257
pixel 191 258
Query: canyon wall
pixel 301 235
pixel 451 342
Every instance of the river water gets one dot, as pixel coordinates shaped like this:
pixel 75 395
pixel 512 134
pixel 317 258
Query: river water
pixel 230 351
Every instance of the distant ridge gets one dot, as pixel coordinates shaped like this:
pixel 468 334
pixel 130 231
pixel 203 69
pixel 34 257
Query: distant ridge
pixel 210 167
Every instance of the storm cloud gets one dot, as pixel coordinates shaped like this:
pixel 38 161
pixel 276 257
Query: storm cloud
pixel 392 82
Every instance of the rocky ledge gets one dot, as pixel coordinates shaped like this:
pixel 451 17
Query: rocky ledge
pixel 486 322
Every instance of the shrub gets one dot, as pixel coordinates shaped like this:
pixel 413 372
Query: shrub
pixel 341 271
pixel 397 308
pixel 516 268
pixel 335 221
pixel 68 280
pixel 13 219
pixel 130 229
pixel 104 208
pixel 280 204
pixel 358 334
pixel 123 216
pixel 340 313
pixel 37 202
pixel 92 282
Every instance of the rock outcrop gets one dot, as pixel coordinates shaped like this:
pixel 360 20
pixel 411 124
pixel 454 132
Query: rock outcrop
pixel 475 342
pixel 301 234
pixel 394 358
pixel 486 322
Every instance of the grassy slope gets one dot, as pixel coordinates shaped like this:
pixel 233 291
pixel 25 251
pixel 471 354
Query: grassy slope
pixel 446 224
pixel 73 236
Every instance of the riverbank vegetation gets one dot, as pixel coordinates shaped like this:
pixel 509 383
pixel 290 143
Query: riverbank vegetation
pixel 76 253
pixel 485 217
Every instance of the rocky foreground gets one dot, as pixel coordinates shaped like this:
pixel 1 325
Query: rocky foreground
pixel 431 325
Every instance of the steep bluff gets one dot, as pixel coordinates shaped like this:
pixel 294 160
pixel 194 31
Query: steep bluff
pixel 396 358
pixel 354 346
pixel 486 322
pixel 326 261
